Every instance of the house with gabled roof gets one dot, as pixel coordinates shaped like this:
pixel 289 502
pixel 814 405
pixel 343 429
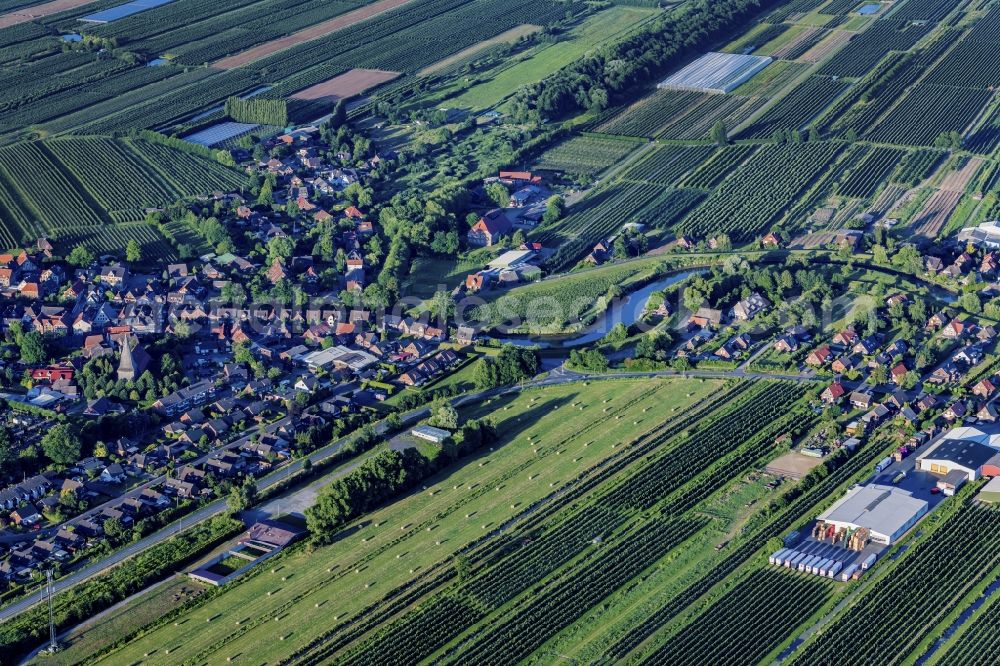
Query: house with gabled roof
pixel 490 228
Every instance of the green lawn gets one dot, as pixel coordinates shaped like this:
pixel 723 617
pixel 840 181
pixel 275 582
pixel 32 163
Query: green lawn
pixel 555 305
pixel 594 31
pixel 427 274
pixel 308 591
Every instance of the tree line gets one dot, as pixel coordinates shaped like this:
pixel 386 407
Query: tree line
pixel 607 75
pixel 387 475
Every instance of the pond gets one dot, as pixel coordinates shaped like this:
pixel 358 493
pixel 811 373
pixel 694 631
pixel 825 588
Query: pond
pixel 870 8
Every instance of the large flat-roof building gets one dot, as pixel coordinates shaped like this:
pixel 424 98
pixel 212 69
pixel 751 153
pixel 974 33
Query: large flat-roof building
pixel 968 457
pixel 885 511
pixel 430 433
pixel 716 73
pixel 987 234
pixel 339 357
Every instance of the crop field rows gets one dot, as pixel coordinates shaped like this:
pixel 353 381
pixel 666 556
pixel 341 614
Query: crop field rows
pixel 932 216
pixel 865 50
pixel 871 172
pixel 532 620
pixel 523 477
pixel 926 112
pixel 797 108
pixel 888 83
pixel 599 213
pixel 795 7
pixel 586 155
pixel 760 190
pixel 674 605
pixel 769 82
pixel 667 164
pixel 714 170
pixel 124 98
pixel 981 638
pixel 732 110
pixel 679 115
pixel 778 601
pixel 831 43
pixel 883 624
pixel 82 187
pixel 604 212
pixel 796 48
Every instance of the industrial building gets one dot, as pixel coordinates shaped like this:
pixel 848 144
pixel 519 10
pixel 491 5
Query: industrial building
pixel 716 73
pixel 960 458
pixel 885 512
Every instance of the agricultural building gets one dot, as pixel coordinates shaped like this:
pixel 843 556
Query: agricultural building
pixel 512 259
pixel 986 234
pixel 716 73
pixel 430 433
pixel 970 458
pixel 991 491
pixel 885 511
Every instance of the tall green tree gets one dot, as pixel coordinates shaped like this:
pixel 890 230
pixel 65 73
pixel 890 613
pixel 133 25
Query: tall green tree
pixel 133 251
pixel 61 444
pixel 719 134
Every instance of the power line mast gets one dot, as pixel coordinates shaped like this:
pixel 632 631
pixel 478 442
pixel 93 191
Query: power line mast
pixel 49 589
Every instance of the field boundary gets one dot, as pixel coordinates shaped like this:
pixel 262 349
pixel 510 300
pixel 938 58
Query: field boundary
pixel 307 34
pixel 25 14
pixel 506 37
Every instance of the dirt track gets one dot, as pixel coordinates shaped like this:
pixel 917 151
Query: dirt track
pixel 313 32
pixel 25 14
pixel 346 85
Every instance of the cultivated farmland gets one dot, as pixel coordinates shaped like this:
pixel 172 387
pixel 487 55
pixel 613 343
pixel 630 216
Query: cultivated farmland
pixel 586 457
pixel 75 186
pixel 760 190
pixel 586 155
pixel 313 32
pixel 346 85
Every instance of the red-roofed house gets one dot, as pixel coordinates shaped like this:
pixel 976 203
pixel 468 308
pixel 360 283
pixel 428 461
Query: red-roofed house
pixel 818 357
pixel 984 389
pixel 954 329
pixel 898 373
pixel 833 393
pixel 489 229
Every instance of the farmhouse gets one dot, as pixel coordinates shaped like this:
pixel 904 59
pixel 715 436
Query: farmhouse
pixel 885 511
pixel 489 229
